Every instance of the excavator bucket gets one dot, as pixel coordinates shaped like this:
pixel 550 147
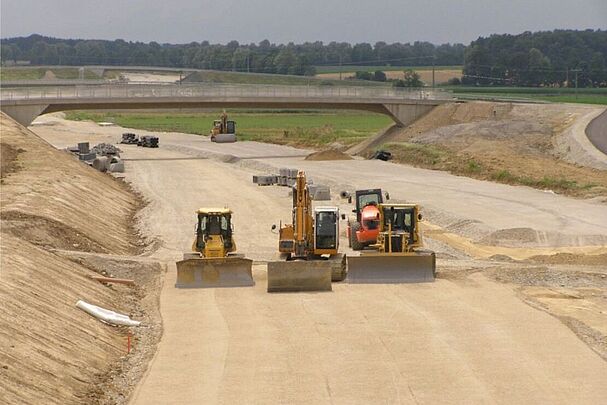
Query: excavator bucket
pixel 299 275
pixel 214 272
pixel 393 268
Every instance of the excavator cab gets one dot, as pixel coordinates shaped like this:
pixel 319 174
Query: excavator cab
pixel 326 235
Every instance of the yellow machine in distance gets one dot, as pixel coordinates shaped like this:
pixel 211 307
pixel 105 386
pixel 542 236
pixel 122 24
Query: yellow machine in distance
pixel 310 245
pixel 224 130
pixel 213 261
pixel 398 256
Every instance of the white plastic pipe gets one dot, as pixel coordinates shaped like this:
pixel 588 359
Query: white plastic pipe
pixel 111 317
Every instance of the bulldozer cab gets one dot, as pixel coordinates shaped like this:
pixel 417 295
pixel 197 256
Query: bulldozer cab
pixel 401 219
pixel 214 223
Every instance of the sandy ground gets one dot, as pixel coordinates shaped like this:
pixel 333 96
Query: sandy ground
pixel 51 206
pixel 150 77
pixel 440 76
pixel 464 338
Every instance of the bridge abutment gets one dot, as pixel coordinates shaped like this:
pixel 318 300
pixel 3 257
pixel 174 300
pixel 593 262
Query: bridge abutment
pixel 24 114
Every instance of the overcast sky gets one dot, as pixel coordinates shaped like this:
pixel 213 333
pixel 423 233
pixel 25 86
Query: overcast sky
pixel 282 21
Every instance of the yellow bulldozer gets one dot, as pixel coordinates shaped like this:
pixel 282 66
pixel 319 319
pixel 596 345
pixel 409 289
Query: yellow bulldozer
pixel 213 261
pixel 224 130
pixel 309 246
pixel 398 256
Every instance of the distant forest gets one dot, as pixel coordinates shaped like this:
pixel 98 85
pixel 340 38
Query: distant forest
pixel 551 58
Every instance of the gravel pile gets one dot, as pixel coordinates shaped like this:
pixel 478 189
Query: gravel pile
pixel 105 149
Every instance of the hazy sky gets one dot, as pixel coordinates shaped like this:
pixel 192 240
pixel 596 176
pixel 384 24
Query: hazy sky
pixel 246 21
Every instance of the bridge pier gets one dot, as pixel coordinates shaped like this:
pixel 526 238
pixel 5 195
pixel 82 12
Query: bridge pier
pixel 24 114
pixel 405 114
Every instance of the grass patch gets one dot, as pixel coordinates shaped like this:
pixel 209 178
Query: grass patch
pixel 360 68
pixel 215 76
pixel 8 74
pixel 556 95
pixel 301 128
pixel 441 158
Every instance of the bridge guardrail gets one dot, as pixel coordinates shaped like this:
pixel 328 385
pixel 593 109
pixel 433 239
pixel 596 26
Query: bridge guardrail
pixel 218 90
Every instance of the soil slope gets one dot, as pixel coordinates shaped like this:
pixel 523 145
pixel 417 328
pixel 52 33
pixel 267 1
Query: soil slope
pixel 51 352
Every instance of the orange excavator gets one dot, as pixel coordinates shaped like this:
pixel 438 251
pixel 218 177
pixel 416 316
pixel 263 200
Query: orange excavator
pixel 224 130
pixel 363 229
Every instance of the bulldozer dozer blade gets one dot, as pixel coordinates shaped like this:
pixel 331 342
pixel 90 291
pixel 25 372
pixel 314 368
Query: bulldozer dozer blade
pixel 224 138
pixel 378 268
pixel 215 272
pixel 338 267
pixel 296 276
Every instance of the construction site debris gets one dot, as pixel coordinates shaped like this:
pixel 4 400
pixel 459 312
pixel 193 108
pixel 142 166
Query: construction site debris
pixel 83 147
pixel 129 138
pixel 330 154
pixel 105 149
pixel 381 155
pixel 148 141
pixel 105 315
pixel 125 281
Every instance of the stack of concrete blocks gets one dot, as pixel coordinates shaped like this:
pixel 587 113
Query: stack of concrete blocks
pixel 265 180
pixel 319 192
pixel 287 177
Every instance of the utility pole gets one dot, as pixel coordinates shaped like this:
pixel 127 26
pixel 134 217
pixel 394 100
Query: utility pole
pixel 576 72
pixel 433 68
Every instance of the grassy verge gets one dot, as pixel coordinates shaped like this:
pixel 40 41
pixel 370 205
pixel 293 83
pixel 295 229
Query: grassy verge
pixel 302 128
pixel 361 68
pixel 214 76
pixel 442 158
pixel 7 74
pixel 562 95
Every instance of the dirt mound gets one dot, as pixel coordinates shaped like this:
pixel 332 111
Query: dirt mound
pixel 570 258
pixel 330 154
pixel 50 351
pixel 49 75
pixel 509 143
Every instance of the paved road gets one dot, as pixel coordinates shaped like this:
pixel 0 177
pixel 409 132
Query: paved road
pixel 453 341
pixel 597 132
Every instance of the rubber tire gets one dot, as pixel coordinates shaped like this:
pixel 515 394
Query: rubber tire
pixel 354 243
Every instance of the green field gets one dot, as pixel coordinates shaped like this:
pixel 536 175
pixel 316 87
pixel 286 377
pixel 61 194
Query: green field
pixel 556 95
pixel 360 68
pixel 215 76
pixel 304 128
pixel 7 73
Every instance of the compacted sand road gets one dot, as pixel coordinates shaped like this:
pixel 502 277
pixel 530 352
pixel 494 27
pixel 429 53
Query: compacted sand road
pixel 466 341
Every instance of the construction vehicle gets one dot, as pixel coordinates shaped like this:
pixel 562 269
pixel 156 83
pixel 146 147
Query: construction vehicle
pixel 213 261
pixel 362 229
pixel 310 246
pixel 398 256
pixel 223 131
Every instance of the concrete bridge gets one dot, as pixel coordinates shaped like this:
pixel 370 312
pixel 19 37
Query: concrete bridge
pixel 402 105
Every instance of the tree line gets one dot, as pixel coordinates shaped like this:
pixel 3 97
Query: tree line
pixel 264 57
pixel 547 58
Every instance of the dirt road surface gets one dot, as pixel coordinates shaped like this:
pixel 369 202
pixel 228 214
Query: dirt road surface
pixel 457 340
